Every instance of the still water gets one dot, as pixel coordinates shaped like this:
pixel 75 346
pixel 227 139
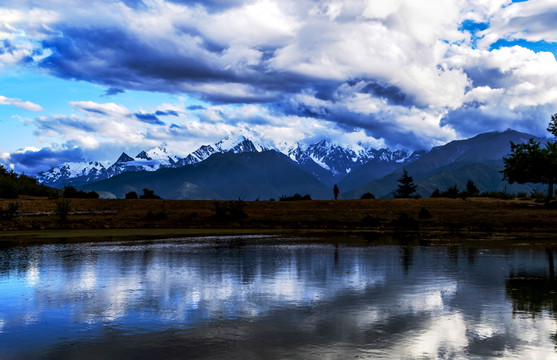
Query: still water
pixel 253 297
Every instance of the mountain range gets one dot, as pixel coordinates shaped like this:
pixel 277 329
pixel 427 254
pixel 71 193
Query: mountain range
pixel 239 168
pixel 326 161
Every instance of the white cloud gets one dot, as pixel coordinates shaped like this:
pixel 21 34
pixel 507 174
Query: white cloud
pixel 529 20
pixel 25 105
pixel 317 59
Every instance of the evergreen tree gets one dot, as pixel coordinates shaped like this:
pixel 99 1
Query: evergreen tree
pixel 471 189
pixel 406 187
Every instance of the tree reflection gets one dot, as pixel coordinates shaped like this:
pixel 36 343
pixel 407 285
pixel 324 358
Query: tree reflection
pixel 534 293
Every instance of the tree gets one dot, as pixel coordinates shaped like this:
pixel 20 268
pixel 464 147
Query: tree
pixel 532 163
pixel 132 195
pixel 149 194
pixel 406 187
pixel 471 189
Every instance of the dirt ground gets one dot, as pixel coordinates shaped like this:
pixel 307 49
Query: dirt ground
pixel 475 216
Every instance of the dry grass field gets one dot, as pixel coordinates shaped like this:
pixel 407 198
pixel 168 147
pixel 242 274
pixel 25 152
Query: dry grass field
pixel 474 217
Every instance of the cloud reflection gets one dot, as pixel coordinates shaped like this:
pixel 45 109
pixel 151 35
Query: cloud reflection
pixel 299 298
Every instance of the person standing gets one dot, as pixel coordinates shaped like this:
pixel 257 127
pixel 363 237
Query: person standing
pixel 335 191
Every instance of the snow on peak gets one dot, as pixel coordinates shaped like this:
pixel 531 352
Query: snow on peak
pixel 70 170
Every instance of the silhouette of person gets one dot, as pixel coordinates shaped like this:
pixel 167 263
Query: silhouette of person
pixel 335 191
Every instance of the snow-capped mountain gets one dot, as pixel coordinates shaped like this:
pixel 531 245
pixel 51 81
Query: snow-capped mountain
pixel 326 161
pixel 228 144
pixel 73 173
pixel 159 157
pixel 151 160
pixel 330 162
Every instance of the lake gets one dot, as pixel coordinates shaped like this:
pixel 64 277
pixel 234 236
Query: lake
pixel 268 297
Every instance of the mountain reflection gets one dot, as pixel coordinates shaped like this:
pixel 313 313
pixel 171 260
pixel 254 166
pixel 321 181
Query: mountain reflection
pixel 261 299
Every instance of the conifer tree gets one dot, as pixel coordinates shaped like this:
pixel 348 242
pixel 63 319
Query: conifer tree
pixel 406 187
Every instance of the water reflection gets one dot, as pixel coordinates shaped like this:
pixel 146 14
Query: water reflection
pixel 238 298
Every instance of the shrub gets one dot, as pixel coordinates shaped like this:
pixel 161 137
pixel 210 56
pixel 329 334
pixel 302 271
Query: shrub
pixel 132 195
pixel 522 195
pixel 370 221
pixel 72 192
pixel 367 196
pixel 230 211
pixel 295 197
pixel 537 196
pixel 498 195
pixel 405 221
pixel 451 192
pixel 149 194
pixel 436 193
pixel 63 208
pixel 10 211
pixel 424 214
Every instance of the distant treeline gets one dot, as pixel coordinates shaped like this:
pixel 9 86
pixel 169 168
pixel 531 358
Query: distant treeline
pixel 13 185
pixel 72 192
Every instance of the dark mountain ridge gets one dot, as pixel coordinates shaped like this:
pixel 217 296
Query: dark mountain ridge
pixel 479 159
pixel 247 175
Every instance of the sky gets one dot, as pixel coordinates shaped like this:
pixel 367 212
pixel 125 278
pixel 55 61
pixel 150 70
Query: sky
pixel 88 79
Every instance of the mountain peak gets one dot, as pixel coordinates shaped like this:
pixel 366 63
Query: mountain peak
pixel 143 155
pixel 124 158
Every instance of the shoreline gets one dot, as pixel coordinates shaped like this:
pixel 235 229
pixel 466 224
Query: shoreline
pixel 286 236
pixel 406 221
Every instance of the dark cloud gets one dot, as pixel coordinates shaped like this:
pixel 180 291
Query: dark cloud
pixel 93 110
pixel 166 113
pixel 391 93
pixel 490 77
pixel 472 119
pixel 116 58
pixel 149 118
pixel 195 107
pixel 58 122
pixel 210 5
pixel 113 91
pixel 31 162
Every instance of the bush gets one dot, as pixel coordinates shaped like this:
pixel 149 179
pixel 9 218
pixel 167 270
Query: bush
pixel 132 195
pixel 230 211
pixel 522 195
pixel 63 208
pixel 367 196
pixel 10 211
pixel 424 214
pixel 149 194
pixel 451 192
pixel 295 197
pixel 436 193
pixel 537 196
pixel 73 193
pixel 405 221
pixel 498 195
pixel 370 221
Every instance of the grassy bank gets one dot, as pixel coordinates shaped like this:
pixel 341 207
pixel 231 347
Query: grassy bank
pixel 40 220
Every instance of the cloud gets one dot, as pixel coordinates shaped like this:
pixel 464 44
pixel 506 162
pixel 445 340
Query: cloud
pixel 148 118
pixel 25 105
pixel 31 160
pixel 166 113
pixel 410 73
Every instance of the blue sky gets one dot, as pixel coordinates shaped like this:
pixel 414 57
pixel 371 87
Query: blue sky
pixel 87 80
